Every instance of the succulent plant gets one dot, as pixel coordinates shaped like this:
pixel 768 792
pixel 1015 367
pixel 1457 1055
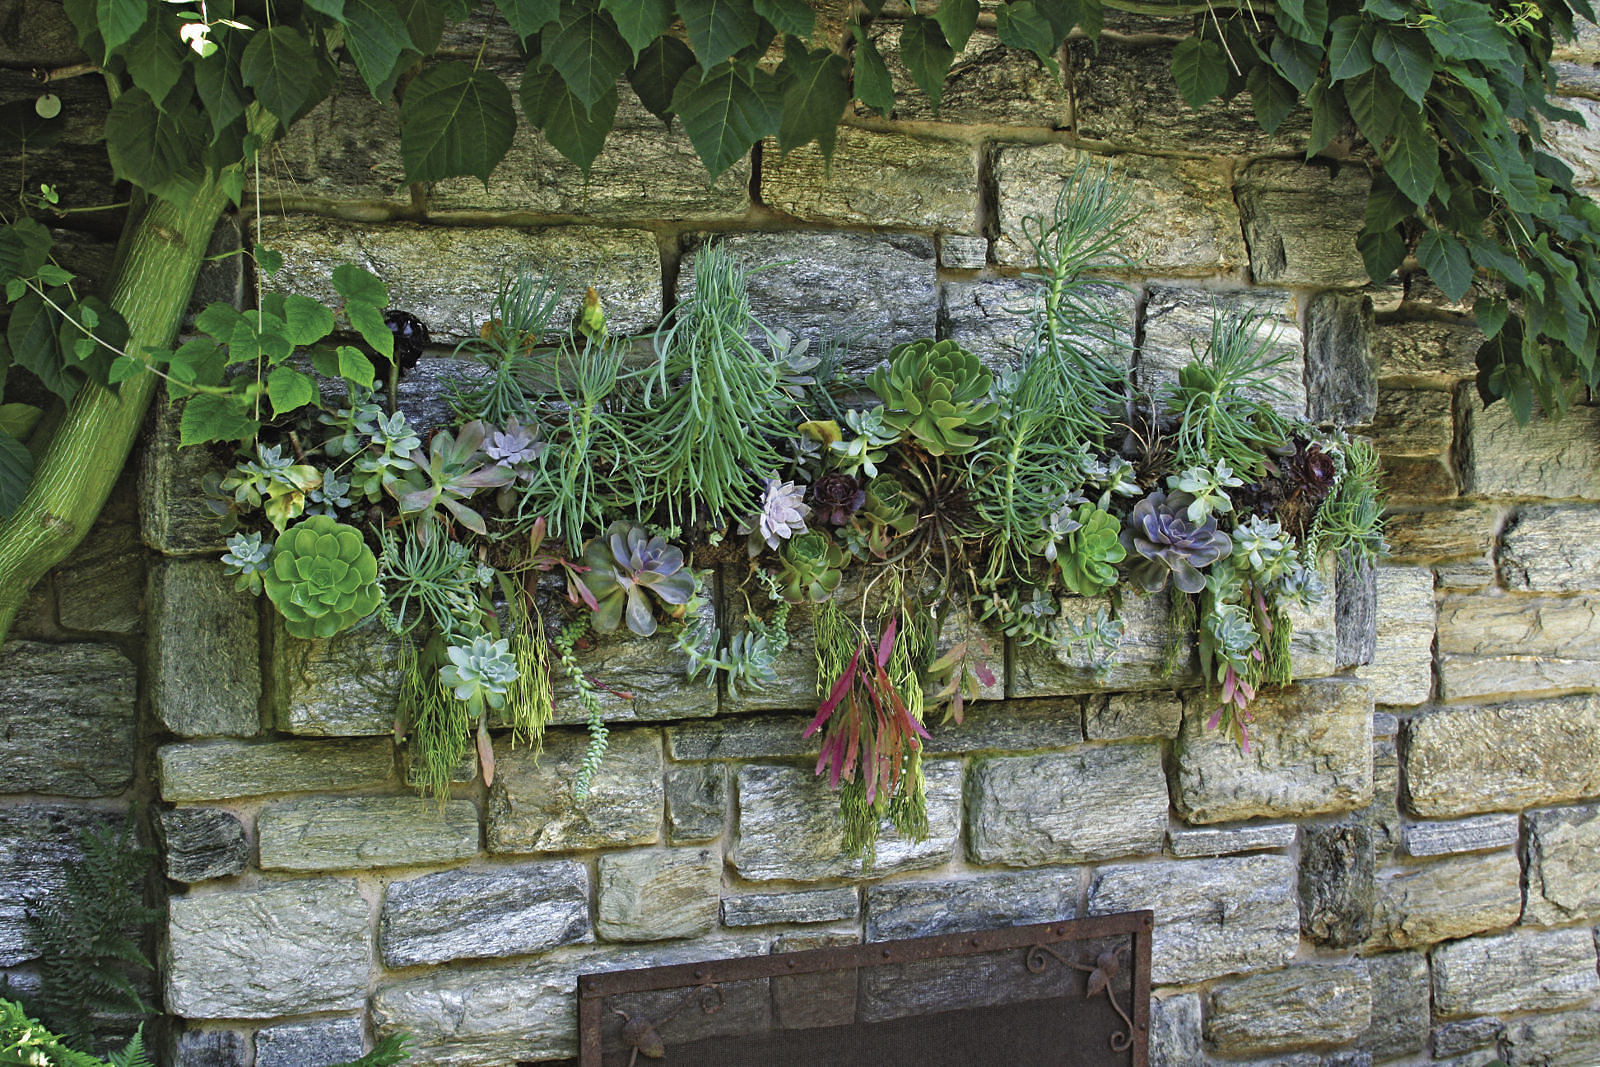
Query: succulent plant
pixel 482 672
pixel 933 392
pixel 247 559
pixel 624 565
pixel 811 567
pixel 1160 531
pixel 887 512
pixel 864 441
pixel 323 577
pixel 1089 565
pixel 1113 476
pixel 1259 544
pixel 836 497
pixel 273 482
pixel 1208 488
pixel 795 363
pixel 783 515
pixel 355 426
pixel 386 458
pixel 329 497
pixel 448 474
pixel 513 446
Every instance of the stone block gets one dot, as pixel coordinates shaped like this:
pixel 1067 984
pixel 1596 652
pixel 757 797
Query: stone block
pixel 750 737
pixel 1400 1005
pixel 1478 834
pixel 1341 369
pixel 1213 917
pixel 1175 1034
pixel 789 827
pixel 1452 1039
pixel 988 84
pixel 1184 219
pixel 640 678
pixel 1568 1037
pixel 1447 898
pixel 1491 645
pixel 68 719
pixel 1414 423
pixel 532 806
pixel 807 906
pixel 1355 613
pixel 204 651
pixel 810 284
pixel 1310 753
pixel 346 685
pixel 315 1044
pixel 173 514
pixel 897 910
pixel 350 833
pixel 697 802
pixel 1384 813
pixel 1138 663
pixel 444 275
pixel 1337 889
pixel 282 949
pixel 1178 323
pixel 37 843
pixel 1401 671
pixel 1461 761
pixel 1518 971
pixel 77 165
pixel 485 913
pixel 961 252
pixel 1426 354
pixel 214 770
pixel 1298 1007
pixel 1124 716
pixel 203 843
pixel 657 894
pixel 890 180
pixel 209 1048
pixel 1090 803
pixel 1213 841
pixel 988 317
pixel 101 586
pixel 1009 726
pixel 1301 221
pixel 1563 877
pixel 1552 548
pixel 1546 458
pixel 1440 535
pixel 1570 142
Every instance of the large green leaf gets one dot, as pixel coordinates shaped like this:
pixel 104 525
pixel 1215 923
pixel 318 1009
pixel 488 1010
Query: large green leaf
pixel 583 45
pixel 1297 61
pixel 1304 20
pixel 23 129
pixel 718 28
pixel 289 389
pixel 454 121
pixel 572 128
pixel 639 21
pixel 1328 116
pixel 1374 103
pixel 1406 56
pixel 794 17
pixel 24 248
pixel 33 334
pixel 306 321
pixel 926 54
pixel 220 87
pixel 92 335
pixel 1412 160
pixel 725 114
pixel 119 20
pixel 1350 48
pixel 816 91
pixel 1022 25
pixel 958 18
pixel 1200 69
pixel 376 34
pixel 279 65
pixel 213 418
pixel 872 86
pixel 1382 252
pixel 1272 97
pixel 528 17
pixel 656 75
pixel 1445 259
pixel 16 471
pixel 159 151
pixel 155 59
pixel 1467 29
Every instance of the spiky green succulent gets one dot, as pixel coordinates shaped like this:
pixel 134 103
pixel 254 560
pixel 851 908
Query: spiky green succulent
pixel 934 392
pixel 323 577
pixel 811 567
pixel 1088 565
pixel 627 567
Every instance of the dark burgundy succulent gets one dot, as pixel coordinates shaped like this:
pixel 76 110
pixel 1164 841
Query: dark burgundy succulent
pixel 1311 471
pixel 410 338
pixel 835 498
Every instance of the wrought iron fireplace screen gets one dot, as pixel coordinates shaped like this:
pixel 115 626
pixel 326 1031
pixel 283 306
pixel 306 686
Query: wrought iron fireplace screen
pixel 1071 992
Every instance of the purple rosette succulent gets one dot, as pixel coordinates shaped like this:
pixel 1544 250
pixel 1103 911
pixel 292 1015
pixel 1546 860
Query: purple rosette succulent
pixel 1171 545
pixel 836 497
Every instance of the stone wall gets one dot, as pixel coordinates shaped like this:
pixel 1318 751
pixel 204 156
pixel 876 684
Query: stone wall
pixel 1404 868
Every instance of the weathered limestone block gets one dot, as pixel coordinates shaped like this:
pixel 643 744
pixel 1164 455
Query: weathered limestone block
pixel 656 894
pixel 988 317
pixel 697 802
pixel 1212 841
pixel 347 833
pixel 532 807
pixel 214 770
pixel 1123 716
pixel 1384 813
pixel 445 276
pixel 1184 221
pixel 1298 1007
pixel 1401 671
pixel 1498 644
pixel 1400 1006
pixel 1426 354
pixel 1440 535
pixel 1571 143
pixel 1314 637
pixel 810 284
pixel 1478 834
pixel 1301 222
pixel 1552 549
pixel 1561 1037
pixel 1310 753
pixel 987 83
pixel 1556 459
pixel 806 906
pixel 283 949
pixel 1461 761
pixel 789 827
pixel 37 841
pixel 1336 884
pixel 1414 430
pixel 876 179
pixel 1139 661
pixel 1090 803
pixel 649 670
pixel 1175 1034
pixel 752 737
pixel 204 651
pixel 101 585
pixel 1177 323
pixel 1452 1039
pixel 1355 613
pixel 68 719
pixel 1009 726
pixel 961 252
pixel 343 686
pixel 1341 368
pixel 1444 899
pixel 1518 971
pixel 484 914
pixel 77 165
pixel 313 1044
pixel 1213 917
pixel 1563 877
pixel 203 843
pixel 919 909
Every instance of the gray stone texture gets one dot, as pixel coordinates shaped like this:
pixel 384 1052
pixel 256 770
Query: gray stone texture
pixel 1217 841
pixel 485 913
pixel 1010 726
pixel 905 909
pixel 214 770
pixel 1414 432
pixel 749 737
pixel 1563 875
pixel 1213 917
pixel 1546 458
pixel 37 842
pixel 532 806
pixel 960 252
pixel 101 586
pixel 1518 971
pixel 68 719
pixel 1090 803
pixel 281 949
pixel 1446 898
pixel 1426 354
pixel 1461 761
pixel 203 843
pixel 1440 535
pixel 1298 1007
pixel 1452 1039
pixel 1177 324
pixel 1341 368
pixel 789 827
pixel 697 801
pixel 1401 671
pixel 1125 716
pixel 346 685
pixel 987 83
pixel 349 833
pixel 1355 612
pixel 1337 888
pixel 1552 548
pixel 1175 1033
pixel 1568 1037
pixel 640 678
pixel 209 1048
pixel 1139 663
pixel 1185 221
pixel 804 906
pixel 203 651
pixel 1400 1005
pixel 314 1044
pixel 1301 222
pixel 1383 815
pixel 657 894
pixel 1478 834
pixel 988 317
pixel 891 180
pixel 1491 645
pixel 1310 746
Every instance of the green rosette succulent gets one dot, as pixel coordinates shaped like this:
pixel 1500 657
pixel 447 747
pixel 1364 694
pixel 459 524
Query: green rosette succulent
pixel 1088 566
pixel 810 568
pixel 625 564
pixel 934 392
pixel 323 577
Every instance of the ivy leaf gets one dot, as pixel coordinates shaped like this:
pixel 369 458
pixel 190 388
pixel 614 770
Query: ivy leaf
pixel 958 18
pixel 1382 252
pixel 815 93
pixel 1492 256
pixel 1021 25
pixel 119 20
pixel 1273 97
pixel 1491 314
pixel 376 34
pixel 873 86
pixel 207 417
pixel 793 17
pixel 585 47
pixel 355 367
pixel 155 60
pixel 926 55
pixel 1297 61
pixel 718 28
pixel 307 321
pixel 1200 68
pixel 639 21
pixel 725 114
pixel 576 131
pixel 1388 10
pixel 1445 259
pixel 656 75
pixel 1406 56
pixel 1412 160
pixel 453 121
pixel 1350 50
pixel 279 66
pixel 528 17
pixel 16 472
pixel 18 420
pixel 368 322
pixel 220 87
pixel 289 389
pixel 154 150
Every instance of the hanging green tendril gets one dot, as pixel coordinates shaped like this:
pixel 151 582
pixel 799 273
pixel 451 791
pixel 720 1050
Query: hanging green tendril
pixel 589 697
